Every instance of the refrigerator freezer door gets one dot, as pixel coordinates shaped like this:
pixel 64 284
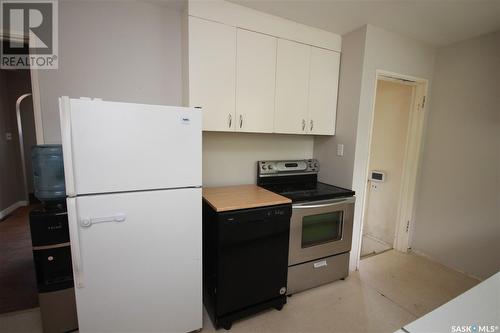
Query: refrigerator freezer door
pixel 141 273
pixel 118 147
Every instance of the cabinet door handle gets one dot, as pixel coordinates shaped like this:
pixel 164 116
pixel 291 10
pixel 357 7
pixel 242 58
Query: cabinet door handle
pixel 303 124
pixel 230 120
pixel 241 121
pixel 312 125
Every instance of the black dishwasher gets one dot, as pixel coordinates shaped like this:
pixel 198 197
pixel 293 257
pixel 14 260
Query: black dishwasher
pixel 245 261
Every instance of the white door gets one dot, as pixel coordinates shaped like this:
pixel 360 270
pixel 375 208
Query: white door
pixel 255 81
pixel 323 87
pixel 292 80
pixel 116 147
pixel 141 272
pixel 212 72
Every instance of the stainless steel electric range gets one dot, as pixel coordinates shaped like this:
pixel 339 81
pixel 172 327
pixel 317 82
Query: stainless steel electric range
pixel 321 222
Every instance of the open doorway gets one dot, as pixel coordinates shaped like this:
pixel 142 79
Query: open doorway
pixel 18 288
pixel 393 162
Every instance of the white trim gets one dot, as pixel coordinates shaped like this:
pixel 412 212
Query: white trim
pixel 12 35
pixel 407 198
pixel 35 91
pixel 413 156
pixel 363 197
pixel 390 79
pixel 21 142
pixel 37 106
pixel 12 208
pixel 383 74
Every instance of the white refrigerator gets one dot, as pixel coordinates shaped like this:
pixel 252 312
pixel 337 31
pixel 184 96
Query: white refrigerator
pixel 133 185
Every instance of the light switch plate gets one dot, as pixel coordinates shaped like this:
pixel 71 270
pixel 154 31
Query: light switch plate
pixel 340 149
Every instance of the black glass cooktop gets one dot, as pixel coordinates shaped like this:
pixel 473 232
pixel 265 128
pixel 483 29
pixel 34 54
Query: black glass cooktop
pixel 309 191
pixel 297 185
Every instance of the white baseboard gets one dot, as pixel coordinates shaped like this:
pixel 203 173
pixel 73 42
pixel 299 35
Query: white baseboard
pixel 12 208
pixel 431 258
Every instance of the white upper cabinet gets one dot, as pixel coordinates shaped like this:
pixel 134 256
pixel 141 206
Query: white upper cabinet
pixel 292 87
pixel 255 81
pixel 212 72
pixel 254 72
pixel 323 86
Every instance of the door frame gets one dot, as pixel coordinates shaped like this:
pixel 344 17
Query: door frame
pixel 412 160
pixel 35 89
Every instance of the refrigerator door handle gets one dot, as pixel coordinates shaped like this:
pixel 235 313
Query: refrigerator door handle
pixel 120 217
pixel 75 242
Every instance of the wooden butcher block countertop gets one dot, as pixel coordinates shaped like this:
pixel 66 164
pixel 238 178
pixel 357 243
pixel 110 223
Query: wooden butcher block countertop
pixel 228 198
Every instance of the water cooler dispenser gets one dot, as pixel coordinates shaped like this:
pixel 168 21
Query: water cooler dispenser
pixel 51 243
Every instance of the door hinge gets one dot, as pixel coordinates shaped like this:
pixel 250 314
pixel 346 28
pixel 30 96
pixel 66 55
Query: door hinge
pixel 407 226
pixel 423 102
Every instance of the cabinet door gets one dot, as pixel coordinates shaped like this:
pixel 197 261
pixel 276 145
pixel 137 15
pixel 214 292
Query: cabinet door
pixel 255 81
pixel 323 87
pixel 292 80
pixel 212 72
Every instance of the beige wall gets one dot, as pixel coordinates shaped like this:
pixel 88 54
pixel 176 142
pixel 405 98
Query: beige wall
pixel 390 128
pixel 231 158
pixel 458 209
pixel 118 51
pixel 338 169
pixel 131 51
pixel 383 50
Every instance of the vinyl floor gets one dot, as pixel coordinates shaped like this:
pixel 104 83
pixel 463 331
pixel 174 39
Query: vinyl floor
pixel 390 290
pixel 17 271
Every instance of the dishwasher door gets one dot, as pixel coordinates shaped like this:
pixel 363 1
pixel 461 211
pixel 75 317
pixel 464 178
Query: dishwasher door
pixel 252 257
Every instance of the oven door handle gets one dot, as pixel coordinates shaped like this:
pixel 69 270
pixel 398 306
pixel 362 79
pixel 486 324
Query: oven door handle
pixel 321 205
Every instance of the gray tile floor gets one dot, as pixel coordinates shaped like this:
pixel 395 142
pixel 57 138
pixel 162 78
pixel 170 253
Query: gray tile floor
pixel 390 290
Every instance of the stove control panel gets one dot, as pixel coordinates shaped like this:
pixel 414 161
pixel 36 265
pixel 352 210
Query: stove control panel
pixel 287 167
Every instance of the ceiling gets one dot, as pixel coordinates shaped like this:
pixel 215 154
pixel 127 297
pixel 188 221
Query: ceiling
pixel 436 22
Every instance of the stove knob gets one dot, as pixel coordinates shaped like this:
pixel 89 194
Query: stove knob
pixel 270 167
pixel 264 167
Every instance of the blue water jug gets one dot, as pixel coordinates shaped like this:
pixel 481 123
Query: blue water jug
pixel 48 172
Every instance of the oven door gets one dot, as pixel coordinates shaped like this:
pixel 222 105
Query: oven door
pixel 320 229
